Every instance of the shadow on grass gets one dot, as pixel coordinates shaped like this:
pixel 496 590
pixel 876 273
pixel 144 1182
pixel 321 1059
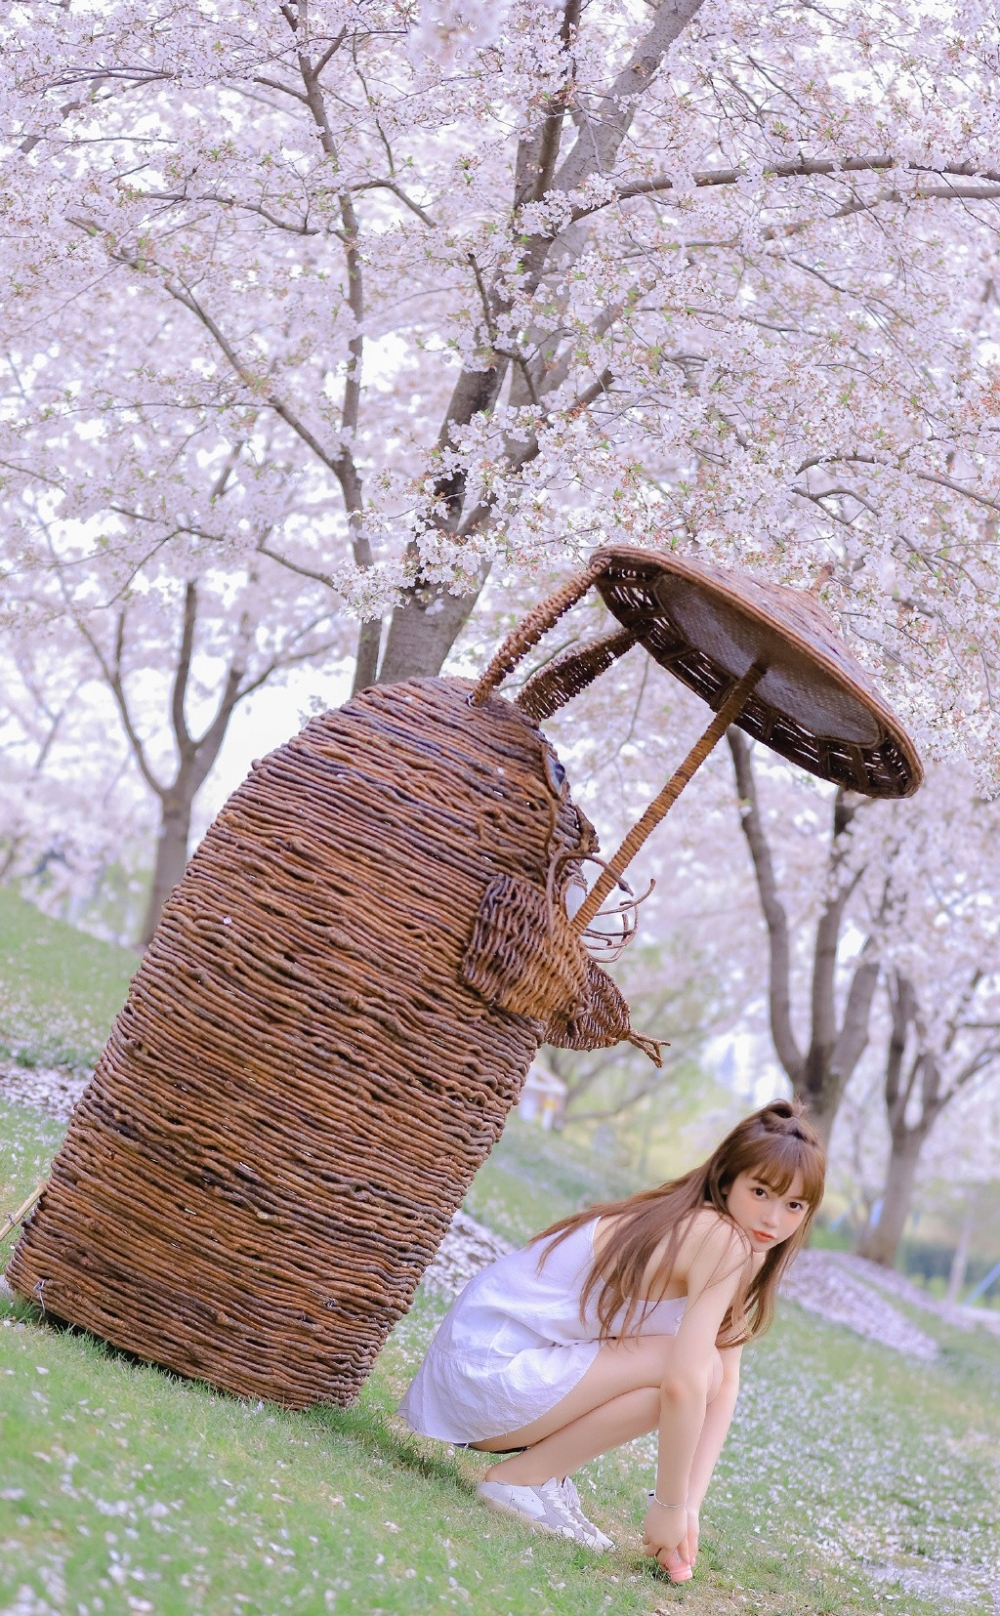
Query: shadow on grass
pixel 367 1425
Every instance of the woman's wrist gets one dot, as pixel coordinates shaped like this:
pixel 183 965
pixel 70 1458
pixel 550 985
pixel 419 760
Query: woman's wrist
pixel 683 1504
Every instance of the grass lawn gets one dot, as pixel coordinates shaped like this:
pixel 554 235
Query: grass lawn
pixel 125 1489
pixel 854 1481
pixel 533 1177
pixel 60 990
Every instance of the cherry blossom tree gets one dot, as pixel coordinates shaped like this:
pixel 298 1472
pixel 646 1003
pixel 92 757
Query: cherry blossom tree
pixel 460 289
pixel 840 993
pixel 70 809
pixel 884 943
pixel 175 655
pixel 246 662
pixel 940 946
pixel 921 1078
pixel 960 1165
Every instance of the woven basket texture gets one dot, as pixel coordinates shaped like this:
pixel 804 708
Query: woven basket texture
pixel 303 1082
pixel 567 675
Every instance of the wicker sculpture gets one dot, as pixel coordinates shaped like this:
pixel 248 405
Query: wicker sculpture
pixel 347 988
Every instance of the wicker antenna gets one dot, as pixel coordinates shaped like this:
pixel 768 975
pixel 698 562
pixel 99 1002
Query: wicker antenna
pixel 527 634
pixel 565 677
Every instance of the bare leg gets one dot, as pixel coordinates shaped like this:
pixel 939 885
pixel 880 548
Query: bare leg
pixel 617 1399
pixel 630 1415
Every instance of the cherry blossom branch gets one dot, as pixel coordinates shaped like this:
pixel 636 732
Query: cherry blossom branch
pixel 370 632
pixel 183 669
pixel 550 135
pixel 397 190
pixel 704 179
pixel 240 206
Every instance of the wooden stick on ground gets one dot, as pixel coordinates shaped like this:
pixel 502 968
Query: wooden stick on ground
pixel 660 805
pixel 14 1218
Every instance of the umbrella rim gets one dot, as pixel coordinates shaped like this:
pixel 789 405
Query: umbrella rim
pixel 717 581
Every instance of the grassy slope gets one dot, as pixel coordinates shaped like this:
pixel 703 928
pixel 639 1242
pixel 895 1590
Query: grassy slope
pixel 59 989
pixel 124 1489
pixel 535 1177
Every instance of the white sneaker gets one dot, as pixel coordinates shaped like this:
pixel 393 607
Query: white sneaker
pixel 547 1508
pixel 596 1539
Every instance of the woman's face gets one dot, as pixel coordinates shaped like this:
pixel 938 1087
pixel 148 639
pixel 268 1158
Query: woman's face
pixel 764 1216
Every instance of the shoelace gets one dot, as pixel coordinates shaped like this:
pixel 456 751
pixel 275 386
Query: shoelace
pixel 570 1499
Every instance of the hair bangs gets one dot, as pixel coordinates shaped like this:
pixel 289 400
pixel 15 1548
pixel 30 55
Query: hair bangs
pixel 782 1158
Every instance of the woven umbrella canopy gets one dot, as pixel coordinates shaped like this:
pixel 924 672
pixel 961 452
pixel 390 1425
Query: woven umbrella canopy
pixel 765 657
pixel 814 703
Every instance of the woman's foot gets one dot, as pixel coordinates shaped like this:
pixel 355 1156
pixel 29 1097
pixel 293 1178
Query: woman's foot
pixel 575 1508
pixel 550 1506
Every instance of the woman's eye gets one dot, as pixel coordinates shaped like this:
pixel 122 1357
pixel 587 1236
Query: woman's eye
pixel 758 1190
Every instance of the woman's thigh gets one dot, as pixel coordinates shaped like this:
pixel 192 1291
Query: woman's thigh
pixel 620 1366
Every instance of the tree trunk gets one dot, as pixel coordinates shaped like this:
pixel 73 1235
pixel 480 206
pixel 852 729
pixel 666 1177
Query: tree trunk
pixel 820 1075
pixel 881 1243
pixel 171 853
pixel 422 630
pixel 960 1261
pixel 822 1109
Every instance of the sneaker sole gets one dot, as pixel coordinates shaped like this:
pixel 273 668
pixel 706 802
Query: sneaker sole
pixel 527 1520
pixel 564 1532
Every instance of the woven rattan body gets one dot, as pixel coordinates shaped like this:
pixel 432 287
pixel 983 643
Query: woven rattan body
pixel 303 1082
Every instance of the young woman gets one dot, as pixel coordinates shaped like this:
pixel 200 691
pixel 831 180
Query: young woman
pixel 622 1319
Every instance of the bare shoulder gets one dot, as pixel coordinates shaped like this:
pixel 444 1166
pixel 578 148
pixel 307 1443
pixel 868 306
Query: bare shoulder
pixel 713 1248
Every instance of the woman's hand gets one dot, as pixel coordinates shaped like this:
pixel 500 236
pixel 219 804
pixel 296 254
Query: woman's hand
pixel 663 1531
pixel 688 1546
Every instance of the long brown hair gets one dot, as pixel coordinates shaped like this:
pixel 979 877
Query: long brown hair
pixel 774 1144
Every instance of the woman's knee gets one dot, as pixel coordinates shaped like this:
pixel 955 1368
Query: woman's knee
pixel 646 1408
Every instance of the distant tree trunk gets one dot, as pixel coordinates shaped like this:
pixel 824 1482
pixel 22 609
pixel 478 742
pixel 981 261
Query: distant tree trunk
pixel 820 1072
pixel 915 1096
pixel 960 1260
pixel 196 755
pixel 881 1243
pixel 9 850
pixel 172 842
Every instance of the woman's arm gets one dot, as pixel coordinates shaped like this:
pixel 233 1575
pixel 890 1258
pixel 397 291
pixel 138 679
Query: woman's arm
pixel 717 1268
pixel 718 1418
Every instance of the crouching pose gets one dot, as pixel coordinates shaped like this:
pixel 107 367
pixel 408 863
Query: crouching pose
pixel 622 1319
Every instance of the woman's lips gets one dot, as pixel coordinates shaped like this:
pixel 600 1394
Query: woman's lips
pixel 759 1234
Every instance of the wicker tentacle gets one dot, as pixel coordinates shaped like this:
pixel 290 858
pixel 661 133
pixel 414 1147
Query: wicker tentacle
pixel 553 686
pixel 529 632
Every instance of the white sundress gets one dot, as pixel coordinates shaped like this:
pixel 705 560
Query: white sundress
pixel 514 1343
